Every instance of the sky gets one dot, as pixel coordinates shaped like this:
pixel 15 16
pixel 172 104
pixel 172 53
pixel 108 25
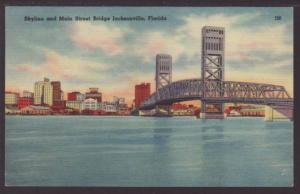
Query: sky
pixel 116 55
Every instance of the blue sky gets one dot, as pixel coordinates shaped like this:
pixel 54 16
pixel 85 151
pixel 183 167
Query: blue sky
pixel 115 56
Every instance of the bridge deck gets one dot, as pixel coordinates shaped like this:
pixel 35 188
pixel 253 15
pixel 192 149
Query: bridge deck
pixel 219 92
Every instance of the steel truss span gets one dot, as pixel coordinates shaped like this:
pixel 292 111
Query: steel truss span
pixel 212 91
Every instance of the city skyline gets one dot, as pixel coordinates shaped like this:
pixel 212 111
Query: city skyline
pixel 114 57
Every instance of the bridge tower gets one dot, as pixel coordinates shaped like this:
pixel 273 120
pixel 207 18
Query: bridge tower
pixel 212 68
pixel 163 75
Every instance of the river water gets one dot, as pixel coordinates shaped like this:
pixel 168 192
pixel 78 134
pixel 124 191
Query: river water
pixel 147 151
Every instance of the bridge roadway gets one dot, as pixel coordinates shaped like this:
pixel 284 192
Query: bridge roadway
pixel 220 92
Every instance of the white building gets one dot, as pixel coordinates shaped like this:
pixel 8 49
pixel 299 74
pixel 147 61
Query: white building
pixel 12 110
pixel 110 107
pixel 11 98
pixel 90 104
pixel 121 106
pixel 78 105
pixel 43 92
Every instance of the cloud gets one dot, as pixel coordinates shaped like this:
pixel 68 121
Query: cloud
pixel 240 40
pixel 65 68
pixel 79 74
pixel 104 37
pixel 185 40
pixel 154 42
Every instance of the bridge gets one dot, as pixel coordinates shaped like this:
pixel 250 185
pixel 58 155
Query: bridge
pixel 213 89
pixel 222 92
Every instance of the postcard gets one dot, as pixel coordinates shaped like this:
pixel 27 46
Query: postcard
pixel 139 97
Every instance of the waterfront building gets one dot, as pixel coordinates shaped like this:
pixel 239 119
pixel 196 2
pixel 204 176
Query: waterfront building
pixel 11 98
pixel 43 92
pixel 56 90
pixel 183 109
pixel 122 108
pixel 142 91
pixel 90 104
pixel 75 105
pixel 178 106
pixel 58 105
pixel 12 110
pixel 119 100
pixel 252 111
pixel 75 96
pixel 109 107
pixel 24 101
pixel 80 97
pixel 245 110
pixel 27 94
pixel 58 96
pixel 72 96
pixel 94 94
pixel 36 110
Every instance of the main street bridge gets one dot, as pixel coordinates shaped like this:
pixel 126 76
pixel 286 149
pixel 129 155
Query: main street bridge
pixel 212 89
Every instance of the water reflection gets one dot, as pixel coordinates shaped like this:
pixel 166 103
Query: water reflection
pixel 283 124
pixel 161 132
pixel 160 159
pixel 214 132
pixel 161 135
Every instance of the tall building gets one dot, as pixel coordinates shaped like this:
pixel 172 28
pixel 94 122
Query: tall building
pixel 43 92
pixel 142 91
pixel 94 94
pixel 11 98
pixel 56 90
pixel 163 75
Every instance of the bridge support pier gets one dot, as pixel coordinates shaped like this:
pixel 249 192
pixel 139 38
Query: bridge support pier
pixel 269 114
pixel 205 114
pixel 278 112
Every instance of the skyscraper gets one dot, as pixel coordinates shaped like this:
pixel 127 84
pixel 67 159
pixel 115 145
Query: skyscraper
pixel 56 90
pixel 43 92
pixel 142 91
